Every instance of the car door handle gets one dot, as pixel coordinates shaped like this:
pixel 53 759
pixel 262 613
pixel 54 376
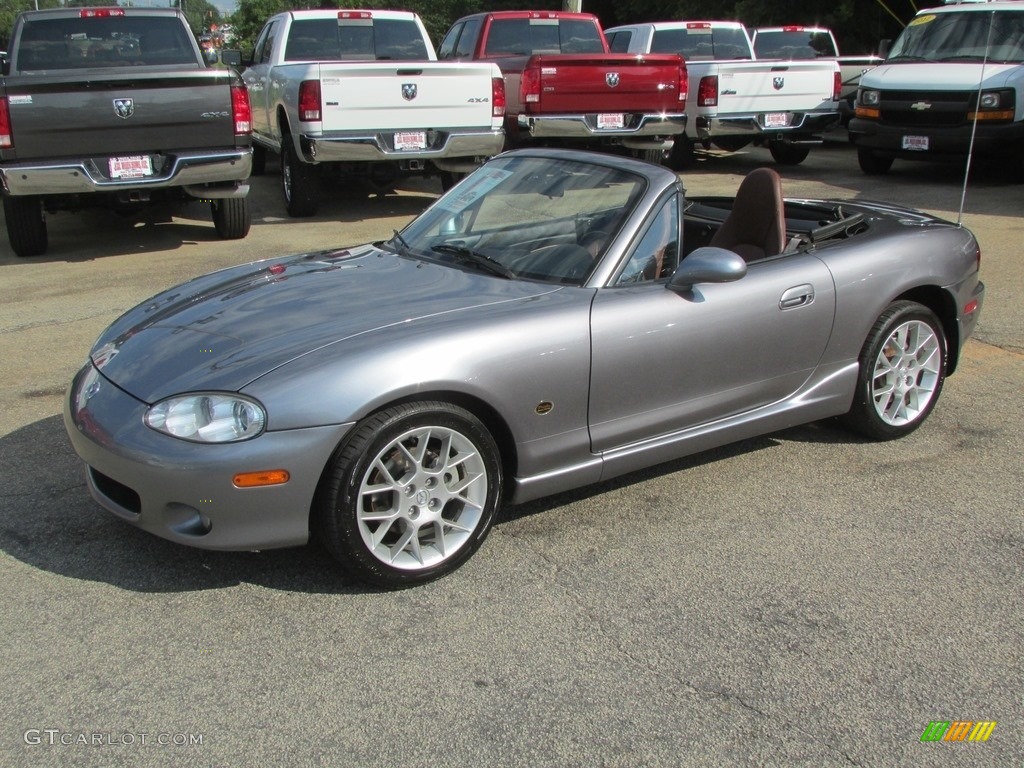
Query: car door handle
pixel 798 296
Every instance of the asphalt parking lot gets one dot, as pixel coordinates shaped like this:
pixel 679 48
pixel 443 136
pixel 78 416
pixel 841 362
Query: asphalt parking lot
pixel 805 598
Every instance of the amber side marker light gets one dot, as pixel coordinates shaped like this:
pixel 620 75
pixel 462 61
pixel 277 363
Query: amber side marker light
pixel 260 479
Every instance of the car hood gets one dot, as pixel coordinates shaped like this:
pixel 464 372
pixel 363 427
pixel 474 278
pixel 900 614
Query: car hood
pixel 937 76
pixel 221 331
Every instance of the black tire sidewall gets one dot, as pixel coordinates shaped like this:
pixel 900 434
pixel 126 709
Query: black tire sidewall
pixel 338 525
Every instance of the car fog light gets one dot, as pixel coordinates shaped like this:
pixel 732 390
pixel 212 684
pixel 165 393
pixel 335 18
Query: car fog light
pixel 207 418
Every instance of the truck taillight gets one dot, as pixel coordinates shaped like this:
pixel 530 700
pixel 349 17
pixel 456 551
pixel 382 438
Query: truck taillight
pixel 684 84
pixel 309 101
pixel 837 85
pixel 241 110
pixel 497 96
pixel 6 137
pixel 707 91
pixel 529 86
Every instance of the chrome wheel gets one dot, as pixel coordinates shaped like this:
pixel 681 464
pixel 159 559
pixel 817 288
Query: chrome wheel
pixel 901 370
pixel 907 373
pixel 422 498
pixel 411 494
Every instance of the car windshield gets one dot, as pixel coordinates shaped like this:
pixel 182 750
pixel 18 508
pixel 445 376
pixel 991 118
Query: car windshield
pixel 526 217
pixel 992 35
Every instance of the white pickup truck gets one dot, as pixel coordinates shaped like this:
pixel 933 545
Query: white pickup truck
pixel 360 95
pixel 735 100
pixel 795 41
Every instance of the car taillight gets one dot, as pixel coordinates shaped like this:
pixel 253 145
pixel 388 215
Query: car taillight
pixel 100 13
pixel 309 101
pixel 241 110
pixel 497 96
pixel 6 137
pixel 837 85
pixel 684 84
pixel 707 91
pixel 529 86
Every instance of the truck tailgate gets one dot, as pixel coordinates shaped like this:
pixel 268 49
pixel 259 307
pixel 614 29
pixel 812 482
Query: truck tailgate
pixel 405 95
pixel 143 113
pixel 780 86
pixel 584 83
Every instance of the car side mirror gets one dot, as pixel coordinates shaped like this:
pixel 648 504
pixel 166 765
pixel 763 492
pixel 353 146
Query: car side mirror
pixel 708 265
pixel 883 47
pixel 231 56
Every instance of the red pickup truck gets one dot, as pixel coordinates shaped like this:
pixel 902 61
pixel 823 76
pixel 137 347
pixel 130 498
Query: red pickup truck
pixel 563 86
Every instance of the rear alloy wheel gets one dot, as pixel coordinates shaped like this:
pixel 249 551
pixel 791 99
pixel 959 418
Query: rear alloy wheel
pixel 299 183
pixel 902 368
pixel 788 154
pixel 872 164
pixel 231 217
pixel 26 225
pixel 411 495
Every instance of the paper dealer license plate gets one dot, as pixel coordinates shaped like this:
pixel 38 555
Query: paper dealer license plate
pixel 610 121
pixel 132 167
pixel 776 120
pixel 411 140
pixel 918 143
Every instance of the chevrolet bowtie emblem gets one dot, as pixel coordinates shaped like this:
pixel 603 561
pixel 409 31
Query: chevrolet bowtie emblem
pixel 920 106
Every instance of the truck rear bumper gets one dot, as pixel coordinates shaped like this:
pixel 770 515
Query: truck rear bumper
pixel 803 126
pixel 943 141
pixel 207 174
pixel 586 127
pixel 379 146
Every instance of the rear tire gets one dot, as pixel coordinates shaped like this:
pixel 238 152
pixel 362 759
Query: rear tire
pixel 731 143
pixel 872 164
pixel 26 225
pixel 299 182
pixel 231 217
pixel 656 156
pixel 450 179
pixel 788 154
pixel 902 368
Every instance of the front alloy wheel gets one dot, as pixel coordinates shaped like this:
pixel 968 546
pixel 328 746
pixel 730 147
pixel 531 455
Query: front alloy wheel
pixel 412 494
pixel 902 368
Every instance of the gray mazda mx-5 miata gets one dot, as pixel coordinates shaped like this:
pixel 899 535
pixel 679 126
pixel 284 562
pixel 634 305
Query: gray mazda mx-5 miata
pixel 556 319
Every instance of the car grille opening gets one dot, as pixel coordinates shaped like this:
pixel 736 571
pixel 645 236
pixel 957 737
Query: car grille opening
pixel 117 492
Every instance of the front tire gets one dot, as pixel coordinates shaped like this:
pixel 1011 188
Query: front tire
pixel 299 182
pixel 788 154
pixel 411 495
pixel 231 217
pixel 872 164
pixel 902 368
pixel 26 225
pixel 656 156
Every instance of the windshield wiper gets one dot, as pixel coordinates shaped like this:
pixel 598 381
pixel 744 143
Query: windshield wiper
pixel 475 257
pixel 905 57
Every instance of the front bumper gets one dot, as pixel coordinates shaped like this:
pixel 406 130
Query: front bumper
pixel 656 130
pixel 803 127
pixel 379 146
pixel 183 491
pixel 943 141
pixel 203 174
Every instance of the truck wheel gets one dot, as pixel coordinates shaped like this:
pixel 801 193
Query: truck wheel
pixel 788 154
pixel 872 164
pixel 450 179
pixel 651 156
pixel 681 155
pixel 259 160
pixel 299 183
pixel 26 225
pixel 231 217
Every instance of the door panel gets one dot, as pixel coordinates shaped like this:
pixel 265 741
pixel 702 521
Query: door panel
pixel 664 362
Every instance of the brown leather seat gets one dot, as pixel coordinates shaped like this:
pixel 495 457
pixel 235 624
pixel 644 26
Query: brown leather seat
pixel 756 226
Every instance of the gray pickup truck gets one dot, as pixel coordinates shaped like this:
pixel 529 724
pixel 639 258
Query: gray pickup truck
pixel 116 107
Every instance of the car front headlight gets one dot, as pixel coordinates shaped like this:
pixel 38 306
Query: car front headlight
pixel 207 417
pixel 870 98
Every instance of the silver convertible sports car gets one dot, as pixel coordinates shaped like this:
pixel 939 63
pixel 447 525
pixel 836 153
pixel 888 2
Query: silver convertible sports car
pixel 556 319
